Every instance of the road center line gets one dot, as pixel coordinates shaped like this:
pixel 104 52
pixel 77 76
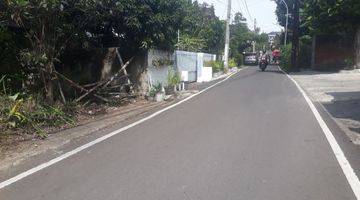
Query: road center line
pixel 96 141
pixel 339 154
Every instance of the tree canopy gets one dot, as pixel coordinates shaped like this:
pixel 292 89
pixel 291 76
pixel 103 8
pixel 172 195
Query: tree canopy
pixel 331 15
pixel 202 30
pixel 323 16
pixel 241 38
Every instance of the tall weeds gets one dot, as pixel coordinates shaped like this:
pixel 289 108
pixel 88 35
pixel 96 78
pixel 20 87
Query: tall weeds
pixel 27 114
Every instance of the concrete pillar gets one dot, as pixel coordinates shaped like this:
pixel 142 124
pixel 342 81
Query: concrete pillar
pixel 199 66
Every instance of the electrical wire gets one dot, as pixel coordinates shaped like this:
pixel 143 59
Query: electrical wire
pixel 247 10
pixel 239 4
pixel 225 4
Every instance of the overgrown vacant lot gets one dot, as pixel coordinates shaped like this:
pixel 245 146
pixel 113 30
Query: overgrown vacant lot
pixel 25 118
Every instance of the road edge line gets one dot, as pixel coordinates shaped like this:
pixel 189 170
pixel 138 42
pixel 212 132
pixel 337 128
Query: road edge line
pixel 100 139
pixel 348 171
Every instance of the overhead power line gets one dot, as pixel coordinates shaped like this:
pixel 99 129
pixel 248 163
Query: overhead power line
pixel 239 4
pixel 225 4
pixel 247 10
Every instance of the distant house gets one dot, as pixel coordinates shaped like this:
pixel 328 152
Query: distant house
pixel 272 36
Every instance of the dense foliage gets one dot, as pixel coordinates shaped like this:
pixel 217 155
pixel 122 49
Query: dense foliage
pixel 202 30
pixel 323 16
pixel 285 61
pixel 342 16
pixel 334 17
pixel 51 27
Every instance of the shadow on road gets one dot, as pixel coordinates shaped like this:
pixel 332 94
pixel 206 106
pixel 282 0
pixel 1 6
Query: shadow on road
pixel 346 105
pixel 314 72
pixel 273 71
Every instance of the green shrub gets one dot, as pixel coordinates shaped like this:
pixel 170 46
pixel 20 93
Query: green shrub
pixel 285 61
pixel 155 89
pixel 173 78
pixel 239 59
pixel 28 114
pixel 217 66
pixel 232 63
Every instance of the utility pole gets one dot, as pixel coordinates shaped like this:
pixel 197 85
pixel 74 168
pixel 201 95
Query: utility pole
pixel 255 25
pixel 287 19
pixel 253 43
pixel 227 36
pixel 295 38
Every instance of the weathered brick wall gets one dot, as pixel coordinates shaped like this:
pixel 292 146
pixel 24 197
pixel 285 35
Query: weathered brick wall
pixel 331 52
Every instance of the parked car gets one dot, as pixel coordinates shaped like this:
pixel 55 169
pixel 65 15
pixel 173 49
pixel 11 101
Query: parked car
pixel 250 58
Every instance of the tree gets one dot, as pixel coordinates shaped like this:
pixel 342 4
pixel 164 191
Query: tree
pixel 188 43
pixel 52 26
pixel 262 41
pixel 240 37
pixel 48 26
pixel 134 25
pixel 331 16
pixel 341 17
pixel 201 23
pixel 281 12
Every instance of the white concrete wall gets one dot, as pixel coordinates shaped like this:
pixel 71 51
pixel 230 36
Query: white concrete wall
pixel 158 74
pixel 190 65
pixel 206 74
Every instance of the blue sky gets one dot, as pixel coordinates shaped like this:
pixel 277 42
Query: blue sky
pixel 261 10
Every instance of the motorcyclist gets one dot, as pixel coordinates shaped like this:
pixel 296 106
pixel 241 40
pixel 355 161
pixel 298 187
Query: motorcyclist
pixel 276 56
pixel 266 55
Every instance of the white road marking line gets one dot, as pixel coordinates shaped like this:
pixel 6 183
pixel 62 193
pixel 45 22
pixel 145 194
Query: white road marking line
pixel 339 154
pixel 92 143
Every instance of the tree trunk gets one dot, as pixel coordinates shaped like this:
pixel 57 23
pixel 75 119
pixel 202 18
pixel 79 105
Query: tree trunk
pixel 357 48
pixel 49 90
pixel 49 85
pixel 108 63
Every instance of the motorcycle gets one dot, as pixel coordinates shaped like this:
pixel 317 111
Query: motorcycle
pixel 263 63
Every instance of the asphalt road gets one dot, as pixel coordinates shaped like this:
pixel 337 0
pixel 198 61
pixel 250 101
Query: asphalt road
pixel 252 137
